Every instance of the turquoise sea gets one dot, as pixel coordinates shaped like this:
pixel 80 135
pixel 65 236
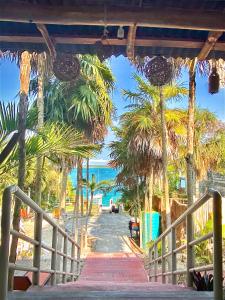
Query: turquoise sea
pixel 101 173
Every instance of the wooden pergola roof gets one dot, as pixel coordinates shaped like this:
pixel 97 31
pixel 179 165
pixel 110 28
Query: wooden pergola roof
pixel 173 28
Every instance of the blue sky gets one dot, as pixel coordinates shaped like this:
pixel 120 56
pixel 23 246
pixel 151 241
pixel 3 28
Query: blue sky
pixel 122 70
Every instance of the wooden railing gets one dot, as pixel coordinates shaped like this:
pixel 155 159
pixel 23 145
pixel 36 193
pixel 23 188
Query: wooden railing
pixel 169 252
pixel 68 244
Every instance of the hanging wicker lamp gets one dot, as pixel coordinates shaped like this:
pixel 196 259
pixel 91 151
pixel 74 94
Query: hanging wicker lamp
pixel 214 80
pixel 66 67
pixel 158 71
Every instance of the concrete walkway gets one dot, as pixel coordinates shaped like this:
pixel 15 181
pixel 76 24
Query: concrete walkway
pixel 108 231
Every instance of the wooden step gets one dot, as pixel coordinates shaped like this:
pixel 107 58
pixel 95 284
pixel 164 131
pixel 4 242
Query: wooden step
pixel 110 295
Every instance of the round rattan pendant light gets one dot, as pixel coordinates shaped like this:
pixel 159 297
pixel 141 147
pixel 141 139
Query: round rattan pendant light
pixel 66 67
pixel 158 71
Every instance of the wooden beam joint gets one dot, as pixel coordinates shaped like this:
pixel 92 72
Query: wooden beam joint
pixel 209 45
pixel 48 41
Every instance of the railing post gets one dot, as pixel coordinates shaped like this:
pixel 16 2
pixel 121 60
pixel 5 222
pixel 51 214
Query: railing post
pixel 37 248
pixel 54 255
pixel 72 266
pixel 150 263
pixel 78 260
pixel 5 242
pixel 64 277
pixel 156 262
pixel 190 255
pixel 163 260
pixel 174 258
pixel 217 247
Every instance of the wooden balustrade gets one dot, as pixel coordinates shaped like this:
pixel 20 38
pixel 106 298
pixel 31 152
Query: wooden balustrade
pixel 37 243
pixel 173 250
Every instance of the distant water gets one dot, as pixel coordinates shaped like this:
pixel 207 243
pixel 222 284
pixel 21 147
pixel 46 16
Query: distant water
pixel 101 173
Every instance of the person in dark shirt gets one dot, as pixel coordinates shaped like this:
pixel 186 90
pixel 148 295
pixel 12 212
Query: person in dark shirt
pixel 130 228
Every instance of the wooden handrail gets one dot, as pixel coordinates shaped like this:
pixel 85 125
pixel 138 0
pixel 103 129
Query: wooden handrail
pixel 37 243
pixel 216 235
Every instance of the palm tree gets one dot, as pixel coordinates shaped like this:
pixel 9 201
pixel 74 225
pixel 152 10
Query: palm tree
pixel 158 97
pixel 25 69
pixel 93 185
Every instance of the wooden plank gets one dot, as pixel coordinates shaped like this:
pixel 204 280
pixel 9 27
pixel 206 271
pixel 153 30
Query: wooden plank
pixel 95 15
pixel 148 42
pixel 209 44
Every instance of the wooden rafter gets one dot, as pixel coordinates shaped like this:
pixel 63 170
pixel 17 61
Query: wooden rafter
pixel 209 44
pixel 94 15
pixel 131 41
pixel 149 42
pixel 44 32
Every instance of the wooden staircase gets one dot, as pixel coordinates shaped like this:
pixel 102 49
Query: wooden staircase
pixel 112 276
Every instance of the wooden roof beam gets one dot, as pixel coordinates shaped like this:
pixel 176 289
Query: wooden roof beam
pixel 95 15
pixel 48 41
pixel 209 45
pixel 147 42
pixel 131 41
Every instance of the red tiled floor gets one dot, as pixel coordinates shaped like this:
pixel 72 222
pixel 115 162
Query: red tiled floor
pixel 113 267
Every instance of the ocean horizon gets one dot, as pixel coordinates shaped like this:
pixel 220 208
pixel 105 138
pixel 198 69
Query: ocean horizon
pixel 101 172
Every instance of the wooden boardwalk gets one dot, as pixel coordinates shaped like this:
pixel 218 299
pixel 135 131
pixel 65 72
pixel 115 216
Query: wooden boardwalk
pixel 112 276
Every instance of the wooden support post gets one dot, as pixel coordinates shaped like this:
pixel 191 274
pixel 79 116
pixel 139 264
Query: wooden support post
pixel 174 258
pixel 217 247
pixel 64 277
pixel 37 248
pixel 163 260
pixel 156 262
pixel 131 42
pixel 54 255
pixel 72 266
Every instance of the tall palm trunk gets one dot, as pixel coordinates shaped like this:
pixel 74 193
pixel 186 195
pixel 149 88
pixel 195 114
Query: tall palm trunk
pixel 166 217
pixel 146 203
pixel 81 189
pixel 190 133
pixel 166 214
pixel 150 195
pixel 87 199
pixel 40 108
pixel 25 69
pixel 91 203
pixel 138 199
pixel 87 179
pixel 190 160
pixel 62 197
pixel 77 203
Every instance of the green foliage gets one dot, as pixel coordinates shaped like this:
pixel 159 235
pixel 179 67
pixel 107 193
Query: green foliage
pixel 159 247
pixel 203 251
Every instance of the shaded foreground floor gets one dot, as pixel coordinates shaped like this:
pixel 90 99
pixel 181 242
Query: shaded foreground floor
pixel 112 276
